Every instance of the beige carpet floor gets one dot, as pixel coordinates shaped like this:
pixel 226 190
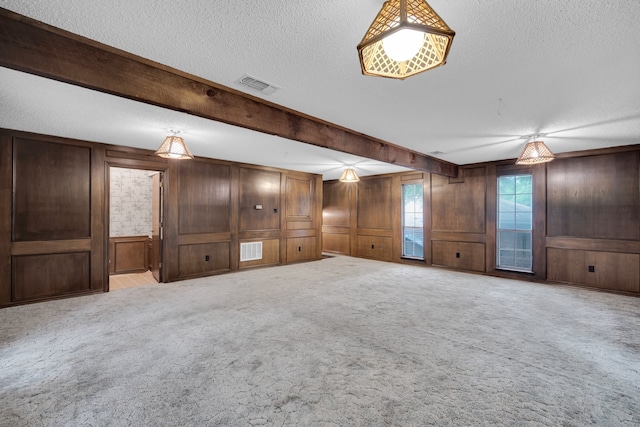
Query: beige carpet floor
pixel 336 342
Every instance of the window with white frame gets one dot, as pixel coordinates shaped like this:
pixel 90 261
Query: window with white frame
pixel 412 221
pixel 514 249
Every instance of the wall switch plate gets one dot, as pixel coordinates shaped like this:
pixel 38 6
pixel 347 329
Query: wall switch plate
pixel 258 207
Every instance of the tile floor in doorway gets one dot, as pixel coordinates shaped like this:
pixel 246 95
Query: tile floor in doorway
pixel 123 281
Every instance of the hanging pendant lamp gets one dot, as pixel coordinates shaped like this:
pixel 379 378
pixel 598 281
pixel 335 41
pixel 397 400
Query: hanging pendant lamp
pixel 349 175
pixel 407 37
pixel 174 147
pixel 535 152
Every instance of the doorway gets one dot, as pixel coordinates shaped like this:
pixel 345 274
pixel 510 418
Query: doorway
pixel 135 213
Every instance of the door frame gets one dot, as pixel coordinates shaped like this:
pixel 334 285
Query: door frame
pixel 128 164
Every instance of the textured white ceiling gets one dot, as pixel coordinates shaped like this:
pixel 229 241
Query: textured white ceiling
pixel 569 70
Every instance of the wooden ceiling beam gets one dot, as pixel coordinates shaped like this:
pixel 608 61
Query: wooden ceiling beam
pixel 34 47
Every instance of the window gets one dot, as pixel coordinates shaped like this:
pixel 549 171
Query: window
pixel 412 221
pixel 515 223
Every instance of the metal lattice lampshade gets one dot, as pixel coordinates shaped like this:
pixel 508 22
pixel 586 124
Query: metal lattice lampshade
pixel 535 152
pixel 174 147
pixel 406 38
pixel 349 175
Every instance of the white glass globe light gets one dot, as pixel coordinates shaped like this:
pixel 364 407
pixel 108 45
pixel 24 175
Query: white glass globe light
pixel 403 45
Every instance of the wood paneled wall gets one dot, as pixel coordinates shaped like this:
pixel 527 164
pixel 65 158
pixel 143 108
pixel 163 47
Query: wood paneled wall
pixel 586 218
pixel 593 220
pixel 52 229
pixel 54 204
pixel 338 220
pixel 594 197
pixel 361 219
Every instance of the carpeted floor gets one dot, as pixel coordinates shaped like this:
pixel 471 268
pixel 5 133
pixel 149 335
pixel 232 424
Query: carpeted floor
pixel 336 342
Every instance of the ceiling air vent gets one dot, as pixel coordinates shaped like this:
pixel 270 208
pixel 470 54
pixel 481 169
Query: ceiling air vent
pixel 257 84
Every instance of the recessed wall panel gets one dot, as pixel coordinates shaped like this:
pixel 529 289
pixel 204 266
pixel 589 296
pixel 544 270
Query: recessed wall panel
pixel 458 205
pixel 42 276
pixel 52 197
pixel 202 259
pixel 374 204
pixel 204 198
pixel 299 198
pixel 259 200
pixel 336 203
pixel 594 197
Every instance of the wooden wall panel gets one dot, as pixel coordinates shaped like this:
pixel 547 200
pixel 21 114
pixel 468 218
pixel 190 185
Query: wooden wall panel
pixel 43 276
pixel 301 249
pixel 259 187
pixel 270 254
pixel 299 198
pixel 6 187
pixel 376 247
pixel 374 206
pixel 613 271
pixel 336 204
pixel 338 215
pixel 204 197
pixel 595 197
pixel 460 205
pixel 300 202
pixel 128 254
pixel 52 197
pixel 203 259
pixel 337 243
pixel 460 255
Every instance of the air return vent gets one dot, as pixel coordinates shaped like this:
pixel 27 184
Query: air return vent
pixel 257 84
pixel 250 251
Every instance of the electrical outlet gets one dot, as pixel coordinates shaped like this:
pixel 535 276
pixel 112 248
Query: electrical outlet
pixel 592 269
pixel 206 257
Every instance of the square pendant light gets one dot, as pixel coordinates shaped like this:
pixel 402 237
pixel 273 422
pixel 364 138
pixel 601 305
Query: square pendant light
pixel 174 147
pixel 407 37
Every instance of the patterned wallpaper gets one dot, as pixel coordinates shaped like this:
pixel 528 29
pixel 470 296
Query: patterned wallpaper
pixel 131 191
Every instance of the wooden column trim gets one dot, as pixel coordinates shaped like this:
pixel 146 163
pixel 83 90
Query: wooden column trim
pixel 6 191
pixel 37 48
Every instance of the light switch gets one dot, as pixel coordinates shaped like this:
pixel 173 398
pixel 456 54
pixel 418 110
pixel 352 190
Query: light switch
pixel 258 207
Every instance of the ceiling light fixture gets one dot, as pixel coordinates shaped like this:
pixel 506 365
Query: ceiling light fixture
pixel 407 37
pixel 174 147
pixel 349 175
pixel 535 152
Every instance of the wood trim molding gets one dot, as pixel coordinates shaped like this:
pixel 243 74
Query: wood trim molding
pixel 458 236
pixel 601 245
pixel 40 49
pixel 6 192
pixel 51 247
pixel 195 239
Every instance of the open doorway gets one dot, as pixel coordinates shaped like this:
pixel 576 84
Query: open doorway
pixel 135 227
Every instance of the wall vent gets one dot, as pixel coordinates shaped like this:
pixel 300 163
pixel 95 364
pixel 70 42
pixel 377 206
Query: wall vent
pixel 250 251
pixel 257 84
